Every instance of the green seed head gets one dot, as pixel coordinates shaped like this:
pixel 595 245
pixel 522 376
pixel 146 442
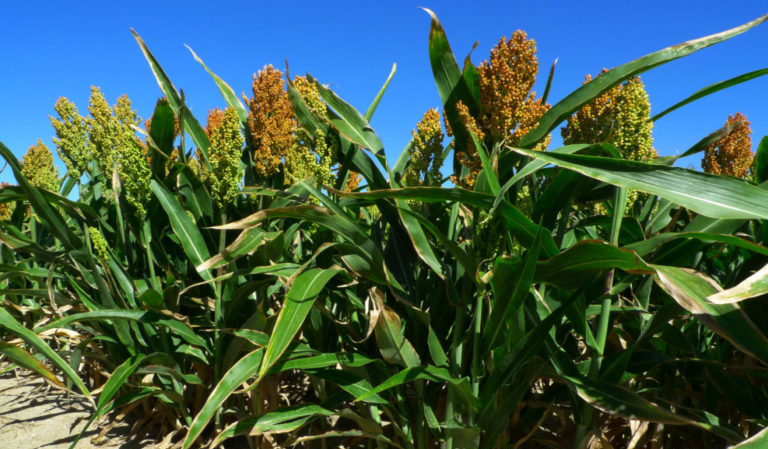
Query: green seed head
pixel 71 137
pixel 225 153
pixel 37 167
pixel 100 245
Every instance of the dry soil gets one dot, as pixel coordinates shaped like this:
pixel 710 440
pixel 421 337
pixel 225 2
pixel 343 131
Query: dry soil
pixel 34 415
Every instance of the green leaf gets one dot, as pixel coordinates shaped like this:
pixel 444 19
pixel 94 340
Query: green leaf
pixel 691 290
pixel 140 316
pixel 351 383
pixel 761 161
pixel 184 228
pixel 519 225
pixel 284 419
pixel 340 224
pixel 246 243
pixel 586 93
pixel 319 361
pixel 531 167
pixel 298 303
pixel 644 247
pixel 351 124
pixel 510 288
pixel 388 330
pixel 428 372
pixel 116 380
pixel 28 361
pixel 551 76
pixel 711 195
pixel 585 262
pixel 13 326
pixel 162 134
pixel 712 88
pixel 450 82
pixel 617 400
pixel 710 139
pixel 372 108
pixel 756 441
pixel 226 91
pixel 244 369
pixel 755 285
pixel 50 217
pixel 189 122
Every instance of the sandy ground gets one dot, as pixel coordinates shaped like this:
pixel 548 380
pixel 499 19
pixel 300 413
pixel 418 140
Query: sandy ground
pixel 32 416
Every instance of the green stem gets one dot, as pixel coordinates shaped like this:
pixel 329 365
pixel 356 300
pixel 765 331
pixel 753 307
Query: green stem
pixel 218 313
pixel 620 203
pixel 456 356
pixel 476 337
pixel 150 259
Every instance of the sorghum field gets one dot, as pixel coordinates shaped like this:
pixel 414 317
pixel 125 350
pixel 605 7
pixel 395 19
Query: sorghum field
pixel 264 277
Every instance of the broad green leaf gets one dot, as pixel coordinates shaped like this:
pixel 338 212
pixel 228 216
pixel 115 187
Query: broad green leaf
pixel 711 138
pixel 756 441
pixel 712 89
pixel 226 91
pixel 184 228
pixel 761 161
pixel 585 262
pixel 246 243
pixel 644 247
pixel 519 225
pixel 50 217
pixel 489 172
pixel 586 93
pixel 449 245
pixel 319 361
pixel 298 302
pixel 349 434
pixel 28 361
pixel 8 322
pixel 244 369
pixel 755 285
pixel 449 80
pixel 531 167
pixel 393 345
pixel 284 419
pixel 523 350
pixel 351 124
pixel 362 246
pixel 428 372
pixel 510 288
pixel 197 199
pixel 189 122
pixel 351 383
pixel 711 195
pixel 140 316
pixel 116 380
pixel 162 134
pixel 691 290
pixel 617 400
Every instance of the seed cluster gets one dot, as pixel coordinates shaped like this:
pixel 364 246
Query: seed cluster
pixel 425 152
pixel 732 154
pixel 620 116
pixel 37 166
pixel 225 153
pixel 509 108
pixel 270 121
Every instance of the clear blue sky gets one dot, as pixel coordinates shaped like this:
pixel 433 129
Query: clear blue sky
pixel 58 48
